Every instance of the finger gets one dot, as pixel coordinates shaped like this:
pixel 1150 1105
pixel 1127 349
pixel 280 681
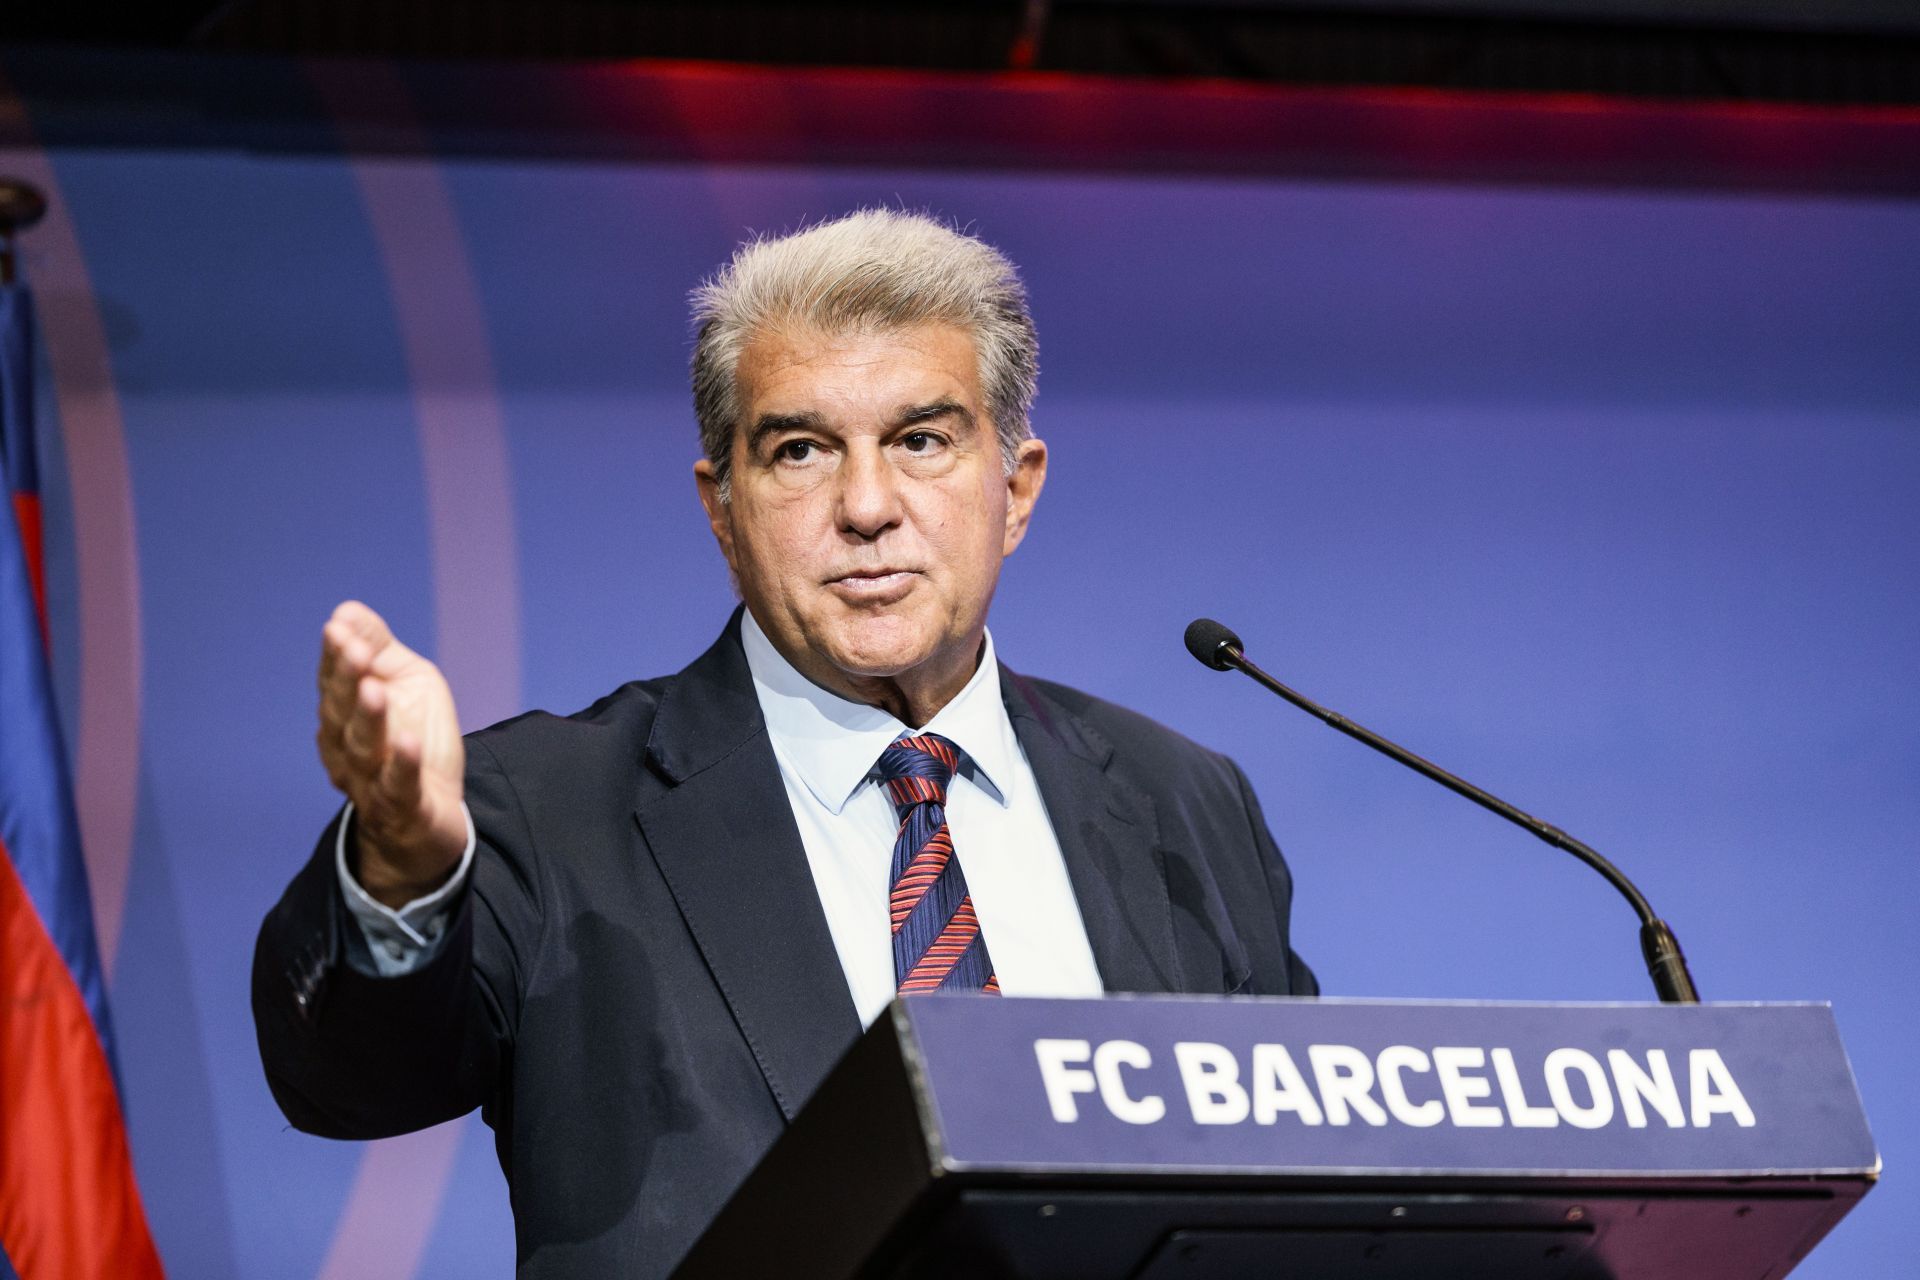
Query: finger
pixel 334 641
pixel 333 638
pixel 365 734
pixel 338 689
pixel 349 620
pixel 350 663
pixel 333 754
pixel 353 707
pixel 371 636
pixel 351 628
pixel 363 623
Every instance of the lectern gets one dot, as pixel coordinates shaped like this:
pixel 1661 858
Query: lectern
pixel 1154 1138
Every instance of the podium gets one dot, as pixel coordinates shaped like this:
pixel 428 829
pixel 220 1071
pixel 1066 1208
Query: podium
pixel 1154 1138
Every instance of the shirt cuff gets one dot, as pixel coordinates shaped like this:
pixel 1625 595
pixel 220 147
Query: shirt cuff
pixel 401 940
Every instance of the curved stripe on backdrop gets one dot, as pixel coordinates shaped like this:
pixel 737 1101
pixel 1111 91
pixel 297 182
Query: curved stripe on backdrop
pixel 106 750
pixel 463 447
pixel 401 1183
pixel 393 1205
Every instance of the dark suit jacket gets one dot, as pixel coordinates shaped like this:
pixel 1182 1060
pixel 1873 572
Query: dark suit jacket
pixel 639 989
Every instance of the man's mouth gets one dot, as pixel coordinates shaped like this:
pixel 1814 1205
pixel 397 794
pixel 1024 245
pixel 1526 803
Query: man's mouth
pixel 878 585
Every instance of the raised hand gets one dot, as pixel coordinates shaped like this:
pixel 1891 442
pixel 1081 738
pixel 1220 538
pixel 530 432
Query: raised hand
pixel 390 739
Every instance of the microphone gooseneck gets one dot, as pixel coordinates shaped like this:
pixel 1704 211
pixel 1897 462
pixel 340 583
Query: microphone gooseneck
pixel 1216 646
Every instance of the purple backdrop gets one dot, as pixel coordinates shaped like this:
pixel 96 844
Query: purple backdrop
pixel 1605 500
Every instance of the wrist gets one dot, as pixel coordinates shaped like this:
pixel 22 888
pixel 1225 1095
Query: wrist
pixel 396 880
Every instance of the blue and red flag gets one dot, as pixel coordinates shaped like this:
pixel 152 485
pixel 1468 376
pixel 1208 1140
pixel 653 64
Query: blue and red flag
pixel 69 1207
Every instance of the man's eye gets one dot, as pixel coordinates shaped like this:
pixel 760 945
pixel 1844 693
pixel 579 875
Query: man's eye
pixel 795 451
pixel 920 441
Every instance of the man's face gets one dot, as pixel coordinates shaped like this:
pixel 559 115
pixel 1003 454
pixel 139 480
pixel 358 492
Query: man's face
pixel 870 509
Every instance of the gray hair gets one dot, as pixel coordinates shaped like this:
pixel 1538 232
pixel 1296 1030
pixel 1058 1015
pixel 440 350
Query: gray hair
pixel 873 269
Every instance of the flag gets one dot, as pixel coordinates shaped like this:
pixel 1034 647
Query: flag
pixel 69 1207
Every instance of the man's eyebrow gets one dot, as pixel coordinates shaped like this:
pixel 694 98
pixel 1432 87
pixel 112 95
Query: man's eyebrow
pixel 932 411
pixel 770 424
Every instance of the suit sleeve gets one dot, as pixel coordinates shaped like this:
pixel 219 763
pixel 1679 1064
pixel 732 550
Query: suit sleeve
pixel 350 1054
pixel 1299 979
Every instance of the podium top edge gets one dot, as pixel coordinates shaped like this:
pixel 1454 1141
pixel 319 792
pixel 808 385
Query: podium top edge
pixel 1268 1173
pixel 1393 1001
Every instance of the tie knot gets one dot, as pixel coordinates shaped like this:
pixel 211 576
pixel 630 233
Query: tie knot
pixel 916 768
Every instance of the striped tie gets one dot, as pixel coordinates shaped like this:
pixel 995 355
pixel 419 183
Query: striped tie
pixel 936 936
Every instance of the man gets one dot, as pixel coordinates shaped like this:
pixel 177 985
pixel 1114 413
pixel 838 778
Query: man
pixel 638 937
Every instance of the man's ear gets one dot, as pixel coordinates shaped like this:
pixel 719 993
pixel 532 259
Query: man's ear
pixel 1023 490
pixel 719 514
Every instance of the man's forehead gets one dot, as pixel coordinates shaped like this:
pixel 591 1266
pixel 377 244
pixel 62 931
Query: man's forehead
pixel 808 370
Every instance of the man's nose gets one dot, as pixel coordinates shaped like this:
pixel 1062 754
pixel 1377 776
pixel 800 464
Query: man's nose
pixel 869 495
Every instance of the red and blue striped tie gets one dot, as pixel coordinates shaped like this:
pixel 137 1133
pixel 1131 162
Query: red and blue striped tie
pixel 936 936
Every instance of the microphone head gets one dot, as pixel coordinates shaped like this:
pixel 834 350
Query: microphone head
pixel 1210 642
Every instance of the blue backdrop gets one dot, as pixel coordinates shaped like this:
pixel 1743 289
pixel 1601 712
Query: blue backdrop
pixel 1605 500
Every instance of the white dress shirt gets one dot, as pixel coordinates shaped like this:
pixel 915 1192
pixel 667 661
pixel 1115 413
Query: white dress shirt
pixel 828 748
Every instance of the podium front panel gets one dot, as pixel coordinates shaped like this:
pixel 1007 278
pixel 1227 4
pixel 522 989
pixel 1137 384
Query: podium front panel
pixel 1147 1138
pixel 1284 1086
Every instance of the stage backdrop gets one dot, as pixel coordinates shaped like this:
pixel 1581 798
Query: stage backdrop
pixel 1609 501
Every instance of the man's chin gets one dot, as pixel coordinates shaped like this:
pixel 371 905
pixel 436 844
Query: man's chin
pixel 868 665
pixel 880 648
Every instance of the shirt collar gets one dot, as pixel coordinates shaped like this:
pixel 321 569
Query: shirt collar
pixel 833 743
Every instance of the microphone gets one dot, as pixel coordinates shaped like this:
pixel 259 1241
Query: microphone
pixel 1213 643
pixel 1218 647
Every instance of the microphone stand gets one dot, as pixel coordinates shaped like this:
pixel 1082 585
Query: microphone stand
pixel 1665 962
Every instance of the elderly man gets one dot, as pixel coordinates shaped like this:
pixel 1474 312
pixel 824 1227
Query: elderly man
pixel 638 937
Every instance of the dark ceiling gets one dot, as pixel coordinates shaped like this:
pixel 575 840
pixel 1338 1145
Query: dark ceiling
pixel 1857 52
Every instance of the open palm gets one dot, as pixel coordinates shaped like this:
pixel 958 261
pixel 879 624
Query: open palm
pixel 390 739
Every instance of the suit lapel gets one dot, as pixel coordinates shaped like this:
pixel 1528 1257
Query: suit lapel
pixel 1108 834
pixel 723 834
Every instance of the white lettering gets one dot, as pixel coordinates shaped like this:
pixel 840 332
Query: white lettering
pixel 1278 1086
pixel 1596 1114
pixel 1521 1113
pixel 1714 1091
pixel 1654 1084
pixel 1393 1060
pixel 1212 1080
pixel 1339 1084
pixel 1449 1061
pixel 1063 1081
pixel 1345 1078
pixel 1107 1061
